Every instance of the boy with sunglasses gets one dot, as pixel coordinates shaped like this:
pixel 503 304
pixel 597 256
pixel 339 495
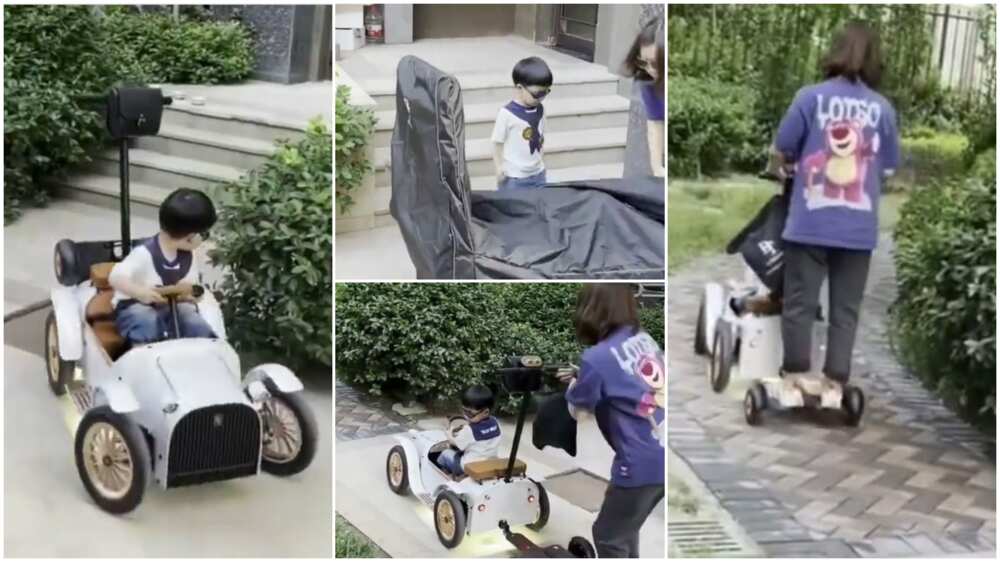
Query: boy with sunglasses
pixel 518 134
pixel 477 440
pixel 186 216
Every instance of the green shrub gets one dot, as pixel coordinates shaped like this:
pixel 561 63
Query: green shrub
pixel 354 131
pixel 274 241
pixel 432 340
pixel 154 48
pixel 51 54
pixel 944 317
pixel 985 164
pixel 710 127
pixel 928 155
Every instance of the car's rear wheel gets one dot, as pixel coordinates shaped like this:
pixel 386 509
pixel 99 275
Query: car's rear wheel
pixel 396 471
pixel 580 547
pixel 112 459
pixel 60 373
pixel 449 519
pixel 289 439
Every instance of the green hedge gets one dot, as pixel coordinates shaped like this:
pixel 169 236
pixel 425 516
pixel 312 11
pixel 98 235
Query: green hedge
pixel 432 340
pixel 928 155
pixel 354 129
pixel 154 48
pixel 51 53
pixel 711 127
pixel 945 314
pixel 274 242
pixel 54 53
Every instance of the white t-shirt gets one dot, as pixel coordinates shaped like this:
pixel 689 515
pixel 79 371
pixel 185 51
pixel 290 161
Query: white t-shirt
pixel 146 266
pixel 479 441
pixel 519 160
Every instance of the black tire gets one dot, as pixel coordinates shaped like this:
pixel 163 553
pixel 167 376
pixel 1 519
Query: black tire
pixel 457 516
pixel 300 460
pixel 853 404
pixel 700 347
pixel 59 372
pixel 402 487
pixel 543 509
pixel 754 403
pixel 580 547
pixel 722 357
pixel 137 456
pixel 65 265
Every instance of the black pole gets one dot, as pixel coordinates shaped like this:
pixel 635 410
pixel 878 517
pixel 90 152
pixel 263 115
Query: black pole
pixel 123 175
pixel 517 435
pixel 177 322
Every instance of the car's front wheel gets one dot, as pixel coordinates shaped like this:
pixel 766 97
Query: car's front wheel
pixel 60 373
pixel 289 439
pixel 113 459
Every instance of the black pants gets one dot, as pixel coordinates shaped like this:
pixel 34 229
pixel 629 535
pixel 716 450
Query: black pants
pixel 806 267
pixel 616 531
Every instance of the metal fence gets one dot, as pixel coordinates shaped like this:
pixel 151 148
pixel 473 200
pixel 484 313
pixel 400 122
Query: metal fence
pixel 960 56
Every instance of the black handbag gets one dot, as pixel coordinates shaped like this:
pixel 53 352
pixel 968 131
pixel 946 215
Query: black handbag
pixel 134 111
pixel 760 243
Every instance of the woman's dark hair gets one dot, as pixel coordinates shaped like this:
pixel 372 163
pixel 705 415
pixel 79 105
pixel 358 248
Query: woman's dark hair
pixel 186 211
pixel 650 34
pixel 477 397
pixel 532 71
pixel 602 308
pixel 856 54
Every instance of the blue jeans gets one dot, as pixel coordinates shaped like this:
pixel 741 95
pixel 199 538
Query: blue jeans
pixel 142 323
pixel 451 461
pixel 537 180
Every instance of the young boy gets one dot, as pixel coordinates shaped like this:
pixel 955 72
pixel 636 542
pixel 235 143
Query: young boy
pixel 477 440
pixel 186 216
pixel 518 135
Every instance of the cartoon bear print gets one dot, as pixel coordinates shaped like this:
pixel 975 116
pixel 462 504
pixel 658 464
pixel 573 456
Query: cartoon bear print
pixel 650 369
pixel 843 165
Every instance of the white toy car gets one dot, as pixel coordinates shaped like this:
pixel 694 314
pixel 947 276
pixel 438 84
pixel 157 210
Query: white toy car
pixel 494 494
pixel 177 412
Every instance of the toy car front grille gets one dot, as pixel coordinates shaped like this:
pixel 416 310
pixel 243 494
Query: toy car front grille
pixel 214 443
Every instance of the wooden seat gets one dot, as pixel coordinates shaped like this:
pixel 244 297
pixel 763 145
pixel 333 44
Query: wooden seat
pixel 100 313
pixel 491 469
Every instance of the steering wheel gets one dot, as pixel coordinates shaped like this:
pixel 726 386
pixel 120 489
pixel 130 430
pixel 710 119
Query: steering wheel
pixel 181 291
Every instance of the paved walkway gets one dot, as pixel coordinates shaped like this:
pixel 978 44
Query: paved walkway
pixel 913 480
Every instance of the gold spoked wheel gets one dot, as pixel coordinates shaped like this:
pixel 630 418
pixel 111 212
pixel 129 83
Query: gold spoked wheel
pixel 395 469
pixel 108 461
pixel 283 434
pixel 52 351
pixel 446 520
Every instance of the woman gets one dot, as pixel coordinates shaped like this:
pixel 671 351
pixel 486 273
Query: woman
pixel 644 62
pixel 621 381
pixel 842 138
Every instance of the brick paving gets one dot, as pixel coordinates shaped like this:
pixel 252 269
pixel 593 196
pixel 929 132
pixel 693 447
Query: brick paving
pixel 360 416
pixel 913 480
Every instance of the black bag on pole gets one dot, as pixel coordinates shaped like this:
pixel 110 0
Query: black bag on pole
pixel 760 243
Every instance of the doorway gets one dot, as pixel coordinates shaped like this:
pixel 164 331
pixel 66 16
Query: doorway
pixel 576 29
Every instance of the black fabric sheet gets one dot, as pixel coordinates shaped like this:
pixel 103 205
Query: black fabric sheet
pixel 612 228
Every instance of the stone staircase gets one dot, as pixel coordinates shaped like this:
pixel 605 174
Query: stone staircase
pixel 199 146
pixel 585 138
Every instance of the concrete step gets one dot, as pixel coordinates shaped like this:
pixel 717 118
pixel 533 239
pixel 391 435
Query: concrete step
pixel 489 183
pixel 208 146
pixel 166 172
pixel 234 122
pixel 103 190
pixel 566 114
pixel 562 150
pixel 497 88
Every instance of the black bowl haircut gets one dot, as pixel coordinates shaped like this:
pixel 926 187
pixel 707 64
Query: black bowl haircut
pixel 185 212
pixel 532 71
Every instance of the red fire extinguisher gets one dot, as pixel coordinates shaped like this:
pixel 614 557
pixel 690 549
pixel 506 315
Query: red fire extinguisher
pixel 374 20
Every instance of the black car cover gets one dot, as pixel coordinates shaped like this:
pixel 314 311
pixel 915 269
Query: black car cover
pixel 760 243
pixel 611 228
pixel 553 425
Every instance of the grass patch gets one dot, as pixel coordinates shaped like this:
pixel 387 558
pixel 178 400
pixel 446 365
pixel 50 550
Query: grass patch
pixel 351 543
pixel 680 497
pixel 702 216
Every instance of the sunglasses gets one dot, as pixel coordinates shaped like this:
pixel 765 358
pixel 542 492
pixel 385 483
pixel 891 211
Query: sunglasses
pixel 540 94
pixel 646 64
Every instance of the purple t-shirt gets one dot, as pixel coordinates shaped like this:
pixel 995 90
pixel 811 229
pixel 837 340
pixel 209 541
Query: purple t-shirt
pixel 653 101
pixel 622 380
pixel 842 137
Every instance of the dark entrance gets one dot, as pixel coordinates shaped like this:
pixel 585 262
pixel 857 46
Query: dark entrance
pixel 576 28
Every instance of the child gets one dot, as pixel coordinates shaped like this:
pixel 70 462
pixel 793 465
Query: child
pixel 165 259
pixel 621 382
pixel 479 439
pixel 518 135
